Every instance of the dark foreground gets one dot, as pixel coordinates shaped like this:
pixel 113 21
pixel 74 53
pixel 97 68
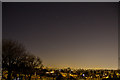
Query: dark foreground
pixel 66 74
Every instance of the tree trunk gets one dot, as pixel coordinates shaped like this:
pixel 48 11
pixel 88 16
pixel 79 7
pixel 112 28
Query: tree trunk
pixel 30 76
pixel 9 69
pixel 9 74
pixel 19 76
pixel 25 77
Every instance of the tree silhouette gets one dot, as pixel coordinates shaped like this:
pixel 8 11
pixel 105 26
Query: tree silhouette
pixel 16 59
pixel 11 53
pixel 32 63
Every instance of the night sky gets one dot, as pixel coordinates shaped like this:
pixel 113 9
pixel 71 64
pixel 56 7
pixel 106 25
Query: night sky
pixel 76 35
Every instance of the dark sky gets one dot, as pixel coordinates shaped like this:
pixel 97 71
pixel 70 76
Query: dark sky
pixel 76 35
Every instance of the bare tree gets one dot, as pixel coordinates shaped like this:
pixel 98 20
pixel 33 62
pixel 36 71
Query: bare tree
pixel 11 53
pixel 16 59
pixel 28 64
pixel 33 63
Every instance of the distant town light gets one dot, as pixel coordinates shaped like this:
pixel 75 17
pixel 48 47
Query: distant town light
pixel 83 74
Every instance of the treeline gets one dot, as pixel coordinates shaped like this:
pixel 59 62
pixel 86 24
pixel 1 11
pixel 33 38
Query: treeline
pixel 17 60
